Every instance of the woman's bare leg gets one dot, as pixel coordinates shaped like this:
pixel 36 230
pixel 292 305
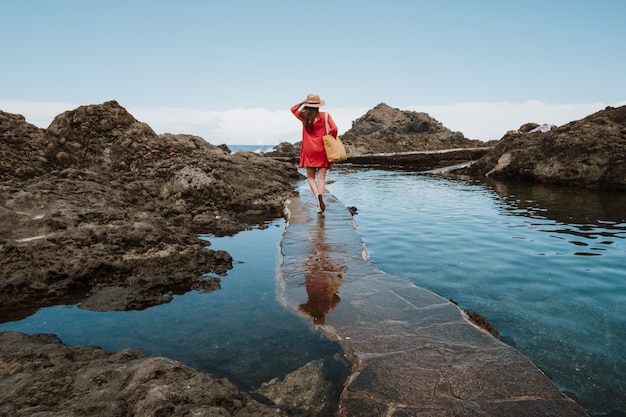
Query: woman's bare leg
pixel 310 176
pixel 321 181
pixel 318 185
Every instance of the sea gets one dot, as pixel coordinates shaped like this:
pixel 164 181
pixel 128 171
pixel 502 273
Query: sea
pixel 251 148
pixel 545 265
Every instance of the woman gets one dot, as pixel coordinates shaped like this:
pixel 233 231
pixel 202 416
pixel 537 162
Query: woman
pixel 312 153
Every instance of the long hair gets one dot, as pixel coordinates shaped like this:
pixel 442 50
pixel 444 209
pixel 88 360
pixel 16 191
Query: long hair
pixel 308 117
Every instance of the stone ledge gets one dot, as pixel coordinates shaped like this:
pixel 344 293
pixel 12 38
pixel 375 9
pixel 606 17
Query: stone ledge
pixel 413 353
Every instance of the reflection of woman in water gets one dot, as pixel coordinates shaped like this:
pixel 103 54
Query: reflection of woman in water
pixel 323 278
pixel 323 298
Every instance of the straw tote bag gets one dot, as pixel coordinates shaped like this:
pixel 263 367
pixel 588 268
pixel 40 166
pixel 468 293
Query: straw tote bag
pixel 335 152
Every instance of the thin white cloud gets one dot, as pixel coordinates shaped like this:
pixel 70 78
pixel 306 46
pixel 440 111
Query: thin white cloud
pixel 236 126
pixel 488 121
pixel 40 114
pixel 258 126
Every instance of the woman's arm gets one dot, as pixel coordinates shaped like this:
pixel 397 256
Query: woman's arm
pixel 295 109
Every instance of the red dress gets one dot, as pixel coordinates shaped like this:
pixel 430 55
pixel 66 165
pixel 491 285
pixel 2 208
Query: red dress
pixel 312 153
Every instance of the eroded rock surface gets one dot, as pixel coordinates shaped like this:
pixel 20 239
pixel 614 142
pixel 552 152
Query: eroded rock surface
pixel 41 376
pixel 305 391
pixel 590 152
pixel 98 208
pixel 385 129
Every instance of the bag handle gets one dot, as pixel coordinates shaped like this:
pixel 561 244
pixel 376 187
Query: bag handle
pixel 326 120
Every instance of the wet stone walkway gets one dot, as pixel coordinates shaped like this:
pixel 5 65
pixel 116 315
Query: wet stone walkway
pixel 413 353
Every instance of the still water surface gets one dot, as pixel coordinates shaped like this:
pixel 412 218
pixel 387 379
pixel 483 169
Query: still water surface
pixel 545 265
pixel 239 332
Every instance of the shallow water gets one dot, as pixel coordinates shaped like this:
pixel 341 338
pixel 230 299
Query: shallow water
pixel 239 332
pixel 545 265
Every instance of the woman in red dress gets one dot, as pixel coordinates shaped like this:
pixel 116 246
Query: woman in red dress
pixel 312 153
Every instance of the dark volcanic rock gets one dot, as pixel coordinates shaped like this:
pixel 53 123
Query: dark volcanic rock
pixel 285 149
pixel 99 210
pixel 41 376
pixel 590 152
pixel 23 147
pixel 98 206
pixel 385 129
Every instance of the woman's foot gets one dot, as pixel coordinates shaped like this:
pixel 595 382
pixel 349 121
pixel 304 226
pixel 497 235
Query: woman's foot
pixel 321 206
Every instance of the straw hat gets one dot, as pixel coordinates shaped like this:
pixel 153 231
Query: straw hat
pixel 313 100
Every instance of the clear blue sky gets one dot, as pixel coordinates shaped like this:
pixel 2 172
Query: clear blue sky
pixel 230 70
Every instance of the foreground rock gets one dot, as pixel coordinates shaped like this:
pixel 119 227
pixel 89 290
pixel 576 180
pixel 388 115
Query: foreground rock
pixel 41 376
pixel 100 210
pixel 590 152
pixel 304 392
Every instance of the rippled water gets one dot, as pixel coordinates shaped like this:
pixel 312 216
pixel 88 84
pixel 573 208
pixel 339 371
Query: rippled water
pixel 545 265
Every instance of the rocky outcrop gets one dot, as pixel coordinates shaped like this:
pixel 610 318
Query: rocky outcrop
pixel 23 147
pixel 590 152
pixel 41 376
pixel 385 129
pixel 286 150
pixel 99 209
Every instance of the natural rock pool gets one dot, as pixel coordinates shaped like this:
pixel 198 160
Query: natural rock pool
pixel 239 332
pixel 543 264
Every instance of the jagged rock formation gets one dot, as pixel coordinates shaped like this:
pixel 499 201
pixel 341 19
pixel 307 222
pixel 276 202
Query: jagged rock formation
pixel 385 129
pixel 590 152
pixel 98 208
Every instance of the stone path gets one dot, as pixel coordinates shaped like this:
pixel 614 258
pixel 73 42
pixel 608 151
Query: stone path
pixel 413 352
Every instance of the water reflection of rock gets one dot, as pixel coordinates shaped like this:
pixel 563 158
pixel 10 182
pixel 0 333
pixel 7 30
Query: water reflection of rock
pixel 586 215
pixel 323 277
